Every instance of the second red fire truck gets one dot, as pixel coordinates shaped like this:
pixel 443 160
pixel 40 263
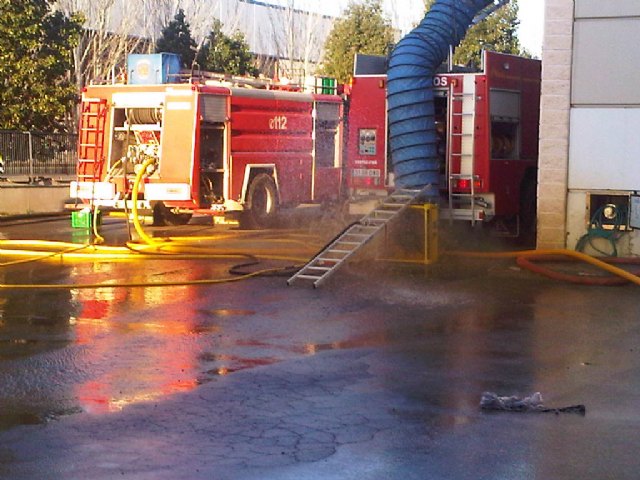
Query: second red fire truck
pixel 235 146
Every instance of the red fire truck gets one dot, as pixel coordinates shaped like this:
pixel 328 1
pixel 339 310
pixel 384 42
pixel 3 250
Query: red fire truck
pixel 220 147
pixel 226 146
pixel 487 125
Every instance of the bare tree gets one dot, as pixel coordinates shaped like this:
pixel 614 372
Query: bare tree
pixel 201 15
pixel 157 14
pixel 296 37
pixel 113 28
pixel 313 30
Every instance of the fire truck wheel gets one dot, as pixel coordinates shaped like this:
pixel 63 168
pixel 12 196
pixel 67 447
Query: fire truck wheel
pixel 262 202
pixel 163 216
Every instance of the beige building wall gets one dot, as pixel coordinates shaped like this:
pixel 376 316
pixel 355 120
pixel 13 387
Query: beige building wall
pixel 555 106
pixel 589 123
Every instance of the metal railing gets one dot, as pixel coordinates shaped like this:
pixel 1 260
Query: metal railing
pixel 34 156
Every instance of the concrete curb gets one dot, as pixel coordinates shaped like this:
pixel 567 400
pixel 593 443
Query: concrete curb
pixel 32 199
pixel 31 216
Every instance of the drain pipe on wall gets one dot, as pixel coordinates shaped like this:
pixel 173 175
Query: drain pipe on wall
pixel 411 112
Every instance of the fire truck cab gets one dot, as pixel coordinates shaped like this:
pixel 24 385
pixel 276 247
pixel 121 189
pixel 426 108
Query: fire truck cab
pixel 218 147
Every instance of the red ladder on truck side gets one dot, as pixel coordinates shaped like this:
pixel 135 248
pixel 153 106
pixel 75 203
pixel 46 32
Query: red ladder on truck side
pixel 93 115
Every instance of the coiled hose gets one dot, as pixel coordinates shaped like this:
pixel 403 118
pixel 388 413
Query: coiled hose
pixel 597 230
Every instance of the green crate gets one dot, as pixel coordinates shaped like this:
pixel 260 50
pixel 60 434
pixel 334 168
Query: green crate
pixel 84 219
pixel 328 86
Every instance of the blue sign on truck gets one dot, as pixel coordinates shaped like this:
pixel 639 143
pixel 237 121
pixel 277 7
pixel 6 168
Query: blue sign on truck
pixel 153 68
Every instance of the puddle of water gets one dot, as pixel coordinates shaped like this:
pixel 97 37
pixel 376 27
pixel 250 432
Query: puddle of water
pixel 201 329
pixel 15 418
pixel 243 364
pixel 103 397
pixel 18 347
pixel 226 364
pixel 227 312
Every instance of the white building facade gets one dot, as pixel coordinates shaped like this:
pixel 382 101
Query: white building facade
pixel 589 175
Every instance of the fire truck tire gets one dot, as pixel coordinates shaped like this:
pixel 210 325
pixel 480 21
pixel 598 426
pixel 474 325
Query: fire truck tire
pixel 261 202
pixel 163 216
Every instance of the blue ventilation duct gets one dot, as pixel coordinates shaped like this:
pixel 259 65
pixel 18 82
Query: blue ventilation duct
pixel 413 63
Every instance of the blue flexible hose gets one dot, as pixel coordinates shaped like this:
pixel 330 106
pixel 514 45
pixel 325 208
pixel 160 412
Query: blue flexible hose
pixel 411 112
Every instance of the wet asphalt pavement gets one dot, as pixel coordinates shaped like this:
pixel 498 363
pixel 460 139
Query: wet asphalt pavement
pixel 377 375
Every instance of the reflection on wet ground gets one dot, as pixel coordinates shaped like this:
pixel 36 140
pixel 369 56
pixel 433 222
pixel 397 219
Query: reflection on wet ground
pixel 111 347
pixel 388 368
pixel 227 312
pixel 99 350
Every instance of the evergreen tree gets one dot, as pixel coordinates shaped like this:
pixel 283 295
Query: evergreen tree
pixel 363 29
pixel 227 54
pixel 36 56
pixel 497 32
pixel 176 38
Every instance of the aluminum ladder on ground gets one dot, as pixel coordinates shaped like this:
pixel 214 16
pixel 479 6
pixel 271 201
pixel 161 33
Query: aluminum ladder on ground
pixel 462 205
pixel 333 256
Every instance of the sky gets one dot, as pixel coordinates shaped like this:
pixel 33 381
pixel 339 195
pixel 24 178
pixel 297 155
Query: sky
pixel 531 15
pixel 531 25
pixel 406 13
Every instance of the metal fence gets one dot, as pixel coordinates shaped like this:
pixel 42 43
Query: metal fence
pixel 38 155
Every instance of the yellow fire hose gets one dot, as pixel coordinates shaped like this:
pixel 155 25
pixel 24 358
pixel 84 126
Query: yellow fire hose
pixel 174 248
pixel 134 196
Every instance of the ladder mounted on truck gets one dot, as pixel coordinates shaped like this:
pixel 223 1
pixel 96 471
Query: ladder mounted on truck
pixel 93 115
pixel 351 240
pixel 462 205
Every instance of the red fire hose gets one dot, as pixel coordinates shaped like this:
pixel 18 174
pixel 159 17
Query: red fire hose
pixel 528 259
